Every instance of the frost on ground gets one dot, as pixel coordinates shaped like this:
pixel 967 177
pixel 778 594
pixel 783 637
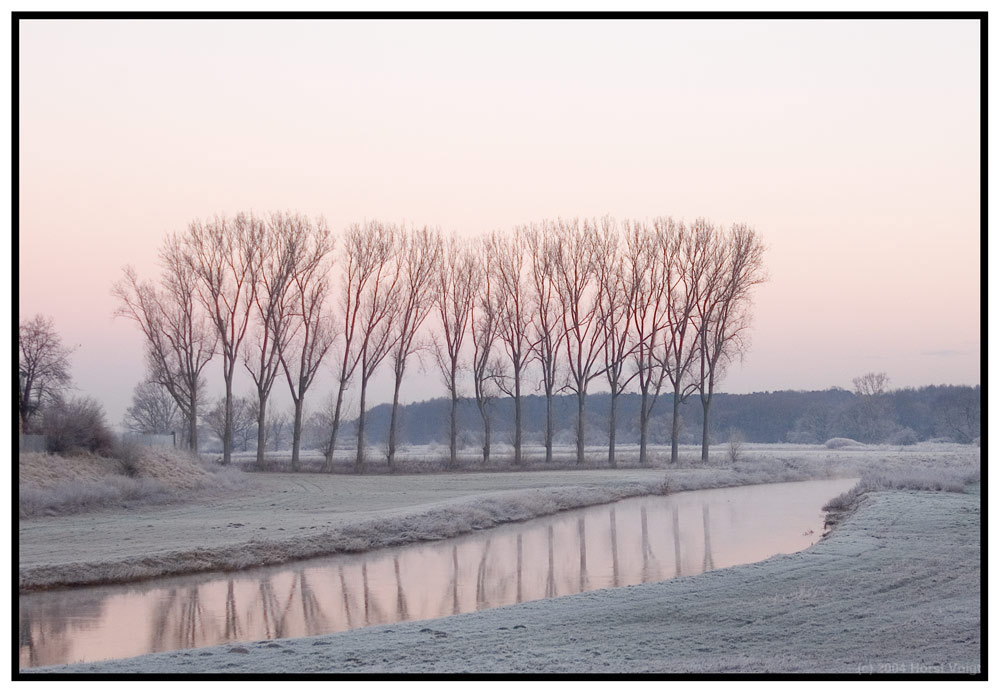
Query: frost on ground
pixel 283 517
pixel 57 485
pixel 894 589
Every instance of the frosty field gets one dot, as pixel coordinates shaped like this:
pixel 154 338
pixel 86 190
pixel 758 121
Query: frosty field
pixel 898 578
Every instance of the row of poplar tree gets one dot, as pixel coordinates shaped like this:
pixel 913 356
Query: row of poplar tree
pixel 659 305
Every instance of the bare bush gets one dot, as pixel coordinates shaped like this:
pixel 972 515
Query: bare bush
pixel 904 436
pixel 76 425
pixel 734 447
pixel 127 452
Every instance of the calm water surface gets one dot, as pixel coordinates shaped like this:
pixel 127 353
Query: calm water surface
pixel 625 543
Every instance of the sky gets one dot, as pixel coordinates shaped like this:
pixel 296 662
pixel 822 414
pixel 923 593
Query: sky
pixel 851 146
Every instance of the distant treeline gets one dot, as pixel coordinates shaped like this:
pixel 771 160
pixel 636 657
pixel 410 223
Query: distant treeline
pixel 899 417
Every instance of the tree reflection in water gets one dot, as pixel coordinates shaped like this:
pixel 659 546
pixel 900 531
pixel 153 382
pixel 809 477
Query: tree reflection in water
pixel 707 564
pixel 505 565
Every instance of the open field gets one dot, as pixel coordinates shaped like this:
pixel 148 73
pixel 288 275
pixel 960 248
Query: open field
pixel 281 517
pixel 895 588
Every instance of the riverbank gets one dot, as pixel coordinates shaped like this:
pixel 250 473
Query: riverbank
pixel 895 588
pixel 283 517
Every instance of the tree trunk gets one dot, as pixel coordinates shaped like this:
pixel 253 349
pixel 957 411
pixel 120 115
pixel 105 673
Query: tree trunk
pixel 517 418
pixel 486 439
pixel 548 424
pixel 193 422
pixel 328 462
pixel 359 461
pixel 391 453
pixel 227 430
pixel 581 406
pixel 296 434
pixel 261 429
pixel 643 427
pixel 612 429
pixel 705 404
pixel 453 427
pixel 675 427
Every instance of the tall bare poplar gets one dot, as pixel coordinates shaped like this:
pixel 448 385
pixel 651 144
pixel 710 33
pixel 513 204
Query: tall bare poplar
pixel 223 254
pixel 312 329
pixel 362 265
pixel 616 303
pixel 378 305
pixel 546 324
pixel 454 296
pixel 485 323
pixel 275 259
pixel 735 266
pixel 688 264
pixel 647 270
pixel 179 342
pixel 579 277
pixel 506 262
pixel 419 259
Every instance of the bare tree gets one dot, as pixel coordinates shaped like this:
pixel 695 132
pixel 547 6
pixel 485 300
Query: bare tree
pixel 312 329
pixel 734 266
pixel 579 278
pixel 513 314
pixel 153 410
pixel 647 270
pixel 871 417
pixel 223 254
pixel 363 265
pixel 378 304
pixel 419 257
pixel 959 414
pixel 275 428
pixel 546 324
pixel 454 296
pixel 42 368
pixel 240 424
pixel 618 293
pixel 179 343
pixel 871 385
pixel 680 339
pixel 485 323
pixel 275 259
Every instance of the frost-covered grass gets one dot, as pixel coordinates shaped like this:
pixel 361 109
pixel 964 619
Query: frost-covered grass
pixel 421 459
pixel 53 484
pixel 954 480
pixel 286 517
pixel 837 443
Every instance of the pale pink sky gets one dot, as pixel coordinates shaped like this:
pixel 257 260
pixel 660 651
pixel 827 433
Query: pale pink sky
pixel 852 146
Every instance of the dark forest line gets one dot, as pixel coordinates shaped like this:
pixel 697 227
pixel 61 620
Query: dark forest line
pixel 900 416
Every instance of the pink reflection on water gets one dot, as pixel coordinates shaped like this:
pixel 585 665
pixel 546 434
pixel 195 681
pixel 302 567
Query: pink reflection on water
pixel 627 543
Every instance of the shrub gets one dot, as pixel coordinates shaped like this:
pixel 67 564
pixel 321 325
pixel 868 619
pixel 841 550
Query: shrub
pixel 837 443
pixel 77 425
pixel 735 445
pixel 128 454
pixel 904 436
